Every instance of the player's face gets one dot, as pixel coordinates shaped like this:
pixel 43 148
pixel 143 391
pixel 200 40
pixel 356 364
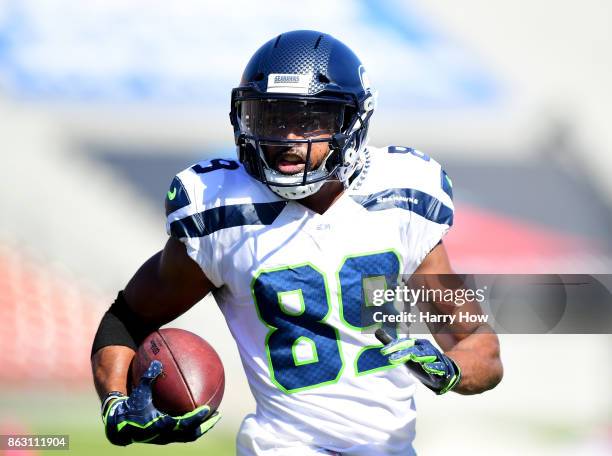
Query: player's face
pixel 278 122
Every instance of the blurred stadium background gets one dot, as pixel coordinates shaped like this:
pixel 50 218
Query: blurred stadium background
pixel 102 102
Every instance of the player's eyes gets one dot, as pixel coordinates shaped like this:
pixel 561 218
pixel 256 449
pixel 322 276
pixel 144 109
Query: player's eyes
pixel 309 125
pixel 278 125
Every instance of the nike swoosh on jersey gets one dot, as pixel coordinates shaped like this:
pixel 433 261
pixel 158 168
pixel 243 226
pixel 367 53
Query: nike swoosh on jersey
pixel 177 197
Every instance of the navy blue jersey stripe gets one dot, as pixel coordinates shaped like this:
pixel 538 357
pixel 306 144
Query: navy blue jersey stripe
pixel 409 199
pixel 217 218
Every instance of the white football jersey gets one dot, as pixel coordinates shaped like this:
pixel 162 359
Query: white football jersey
pixel 290 287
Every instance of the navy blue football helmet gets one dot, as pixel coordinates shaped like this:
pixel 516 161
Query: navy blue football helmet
pixel 302 87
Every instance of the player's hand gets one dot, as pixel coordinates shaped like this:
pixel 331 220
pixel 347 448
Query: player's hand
pixel 135 418
pixel 433 368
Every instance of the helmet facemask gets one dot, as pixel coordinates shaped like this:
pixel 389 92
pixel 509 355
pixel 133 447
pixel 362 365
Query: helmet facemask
pixel 280 140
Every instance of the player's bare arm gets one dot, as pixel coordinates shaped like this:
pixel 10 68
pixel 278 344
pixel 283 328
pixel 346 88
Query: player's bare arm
pixel 473 346
pixel 164 287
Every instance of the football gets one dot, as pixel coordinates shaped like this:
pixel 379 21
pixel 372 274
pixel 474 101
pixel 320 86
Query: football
pixel 192 376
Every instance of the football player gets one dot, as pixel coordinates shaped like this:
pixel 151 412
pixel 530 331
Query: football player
pixel 283 237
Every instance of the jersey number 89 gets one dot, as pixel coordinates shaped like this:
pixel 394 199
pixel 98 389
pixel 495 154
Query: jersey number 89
pixel 304 323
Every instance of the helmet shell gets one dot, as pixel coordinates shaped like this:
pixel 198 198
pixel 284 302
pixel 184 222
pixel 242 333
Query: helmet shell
pixel 333 66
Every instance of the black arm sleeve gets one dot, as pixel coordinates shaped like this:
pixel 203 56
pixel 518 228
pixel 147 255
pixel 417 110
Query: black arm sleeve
pixel 121 326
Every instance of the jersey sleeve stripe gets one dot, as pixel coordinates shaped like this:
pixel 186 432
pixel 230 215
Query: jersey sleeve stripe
pixel 409 199
pixel 217 218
